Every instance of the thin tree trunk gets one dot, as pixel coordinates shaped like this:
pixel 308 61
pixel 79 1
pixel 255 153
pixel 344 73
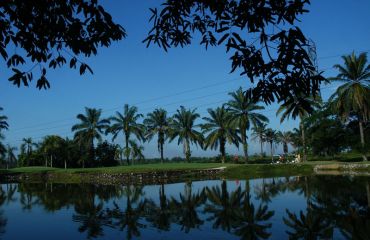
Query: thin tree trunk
pixel 51 160
pixel 161 152
pixel 222 150
pixel 245 145
pixel 272 154
pixel 65 164
pixel 187 150
pixel 303 142
pixel 127 155
pixel 362 140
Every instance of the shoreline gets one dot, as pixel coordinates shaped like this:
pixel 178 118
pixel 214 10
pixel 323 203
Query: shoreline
pixel 121 175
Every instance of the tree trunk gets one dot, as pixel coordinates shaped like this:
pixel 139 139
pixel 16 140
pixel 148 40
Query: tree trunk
pixel 162 153
pixel 187 150
pixel 222 150
pixel 127 155
pixel 303 142
pixel 245 144
pixel 362 140
pixel 65 164
pixel 272 154
pixel 51 160
pixel 285 149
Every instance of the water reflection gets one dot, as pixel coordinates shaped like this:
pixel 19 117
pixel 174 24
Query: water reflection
pixel 317 207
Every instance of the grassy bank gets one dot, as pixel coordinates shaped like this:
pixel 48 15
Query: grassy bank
pixel 231 171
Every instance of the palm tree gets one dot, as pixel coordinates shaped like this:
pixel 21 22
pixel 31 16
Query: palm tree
pixel 127 124
pixel 299 106
pixel 353 97
pixel 136 151
pixel 271 138
pixel 2 146
pixel 258 132
pixel 220 129
pixel 224 206
pixel 243 112
pixel 157 124
pixel 285 138
pixel 28 145
pixel 3 121
pixel 50 146
pixel 183 127
pixel 10 155
pixel 90 128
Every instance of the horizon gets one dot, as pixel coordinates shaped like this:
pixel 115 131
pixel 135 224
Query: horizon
pixel 149 78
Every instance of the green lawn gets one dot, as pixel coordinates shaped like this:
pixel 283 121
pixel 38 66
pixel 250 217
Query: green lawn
pixel 232 171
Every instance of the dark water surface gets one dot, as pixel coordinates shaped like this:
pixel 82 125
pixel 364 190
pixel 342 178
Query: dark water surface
pixel 317 207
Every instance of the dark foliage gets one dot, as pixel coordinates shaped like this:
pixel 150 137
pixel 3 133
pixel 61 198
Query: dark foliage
pixel 265 42
pixel 52 33
pixel 105 153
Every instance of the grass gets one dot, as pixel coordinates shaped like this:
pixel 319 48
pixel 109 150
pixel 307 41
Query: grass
pixel 232 171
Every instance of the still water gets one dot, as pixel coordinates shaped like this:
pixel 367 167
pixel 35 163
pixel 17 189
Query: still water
pixel 316 207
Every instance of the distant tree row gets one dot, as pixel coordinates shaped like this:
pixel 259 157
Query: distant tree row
pixel 324 129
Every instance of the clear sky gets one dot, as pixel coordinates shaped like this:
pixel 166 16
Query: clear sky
pixel 149 78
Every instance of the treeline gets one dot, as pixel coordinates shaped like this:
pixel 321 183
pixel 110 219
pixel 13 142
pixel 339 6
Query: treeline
pixel 325 129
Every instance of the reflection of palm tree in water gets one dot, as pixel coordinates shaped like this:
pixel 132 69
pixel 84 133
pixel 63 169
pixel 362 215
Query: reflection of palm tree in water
pixel 129 217
pixel 5 197
pixel 223 206
pixel 160 216
pixel 186 208
pixel 91 216
pixel 311 225
pixel 252 223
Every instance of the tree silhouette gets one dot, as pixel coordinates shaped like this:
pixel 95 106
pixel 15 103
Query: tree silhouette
pixel 223 206
pixel 285 138
pixel 353 97
pixel 271 138
pixel 251 223
pixel 308 226
pixel 220 130
pixel 183 127
pixel 127 124
pixel 50 33
pixel 129 217
pixel 3 121
pixel 277 59
pixel 162 215
pixel 186 208
pixel 243 114
pixel 157 123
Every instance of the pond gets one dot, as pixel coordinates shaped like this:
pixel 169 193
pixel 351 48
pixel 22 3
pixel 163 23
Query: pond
pixel 334 207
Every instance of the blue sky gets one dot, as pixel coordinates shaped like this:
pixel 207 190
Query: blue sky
pixel 128 72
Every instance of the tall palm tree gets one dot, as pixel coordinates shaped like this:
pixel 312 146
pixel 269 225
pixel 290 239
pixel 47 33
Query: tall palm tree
pixel 353 97
pixel 299 106
pixel 183 127
pixel 127 124
pixel 90 128
pixel 243 112
pixel 157 123
pixel 271 138
pixel 258 132
pixel 3 121
pixel 285 138
pixel 220 130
